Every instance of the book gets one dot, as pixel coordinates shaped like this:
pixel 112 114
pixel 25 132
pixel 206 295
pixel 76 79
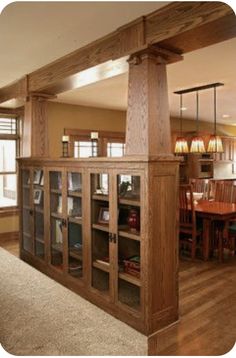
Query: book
pixel 59 206
pixel 58 233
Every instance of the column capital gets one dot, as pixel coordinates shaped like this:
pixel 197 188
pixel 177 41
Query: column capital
pixel 40 96
pixel 158 54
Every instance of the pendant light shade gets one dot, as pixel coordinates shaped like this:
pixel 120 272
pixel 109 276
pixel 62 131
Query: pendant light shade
pixel 197 144
pixel 215 143
pixel 181 144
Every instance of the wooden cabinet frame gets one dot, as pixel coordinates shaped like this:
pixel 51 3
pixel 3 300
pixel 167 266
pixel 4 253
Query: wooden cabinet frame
pixel 158 248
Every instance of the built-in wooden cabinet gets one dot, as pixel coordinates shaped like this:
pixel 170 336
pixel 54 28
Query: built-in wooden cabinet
pixel 97 227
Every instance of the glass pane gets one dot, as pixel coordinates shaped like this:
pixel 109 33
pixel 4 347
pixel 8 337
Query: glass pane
pixel 56 219
pixel 8 194
pixel 100 232
pixel 74 217
pixel 7 155
pixel 26 217
pixel 85 149
pixel 129 254
pixel 38 179
pixel 8 125
pixel 115 149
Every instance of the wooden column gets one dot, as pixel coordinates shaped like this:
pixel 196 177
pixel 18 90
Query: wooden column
pixel 148 135
pixel 148 118
pixel 35 127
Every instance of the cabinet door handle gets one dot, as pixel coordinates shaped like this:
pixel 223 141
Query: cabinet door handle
pixel 64 222
pixel 114 238
pixel 31 212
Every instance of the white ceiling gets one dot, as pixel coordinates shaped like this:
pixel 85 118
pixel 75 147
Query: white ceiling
pixel 33 34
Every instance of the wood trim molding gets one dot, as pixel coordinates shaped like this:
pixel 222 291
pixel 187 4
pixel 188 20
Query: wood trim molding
pixel 86 133
pixel 9 212
pixel 7 236
pixel 179 26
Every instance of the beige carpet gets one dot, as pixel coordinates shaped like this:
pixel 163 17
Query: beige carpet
pixel 38 316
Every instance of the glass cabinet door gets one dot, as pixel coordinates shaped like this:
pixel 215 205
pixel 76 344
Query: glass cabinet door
pixel 38 201
pixel 56 219
pixel 74 220
pixel 100 248
pixel 27 239
pixel 128 243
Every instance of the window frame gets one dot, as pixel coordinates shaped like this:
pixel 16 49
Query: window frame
pixel 104 137
pixel 13 209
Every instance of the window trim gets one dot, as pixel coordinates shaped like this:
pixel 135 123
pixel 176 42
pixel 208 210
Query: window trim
pixel 14 209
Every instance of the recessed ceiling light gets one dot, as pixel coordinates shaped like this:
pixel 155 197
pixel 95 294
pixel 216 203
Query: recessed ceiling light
pixel 226 116
pixel 184 108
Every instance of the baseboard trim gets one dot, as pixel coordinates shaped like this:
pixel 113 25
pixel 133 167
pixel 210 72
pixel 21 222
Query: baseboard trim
pixel 7 236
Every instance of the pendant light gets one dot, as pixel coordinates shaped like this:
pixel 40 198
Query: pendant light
pixel 215 143
pixel 181 144
pixel 197 144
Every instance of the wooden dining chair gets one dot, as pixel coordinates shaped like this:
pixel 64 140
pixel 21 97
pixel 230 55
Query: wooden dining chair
pixel 200 186
pixel 223 191
pixel 187 220
pixel 228 239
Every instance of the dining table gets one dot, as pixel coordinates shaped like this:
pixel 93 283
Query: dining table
pixel 211 211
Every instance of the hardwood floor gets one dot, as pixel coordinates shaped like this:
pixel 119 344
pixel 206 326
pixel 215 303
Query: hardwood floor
pixel 11 245
pixel 207 309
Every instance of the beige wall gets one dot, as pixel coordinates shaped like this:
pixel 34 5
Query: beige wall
pixel 190 125
pixel 62 116
pixel 9 224
pixel 71 116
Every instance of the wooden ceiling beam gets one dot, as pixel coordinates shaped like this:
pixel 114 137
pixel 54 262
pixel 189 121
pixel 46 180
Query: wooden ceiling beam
pixel 17 89
pixel 180 27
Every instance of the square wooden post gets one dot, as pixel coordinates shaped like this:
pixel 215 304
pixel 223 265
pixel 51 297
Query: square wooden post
pixel 35 127
pixel 148 135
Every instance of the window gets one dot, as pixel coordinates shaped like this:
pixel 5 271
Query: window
pixel 8 152
pixel 115 149
pixel 110 144
pixel 85 149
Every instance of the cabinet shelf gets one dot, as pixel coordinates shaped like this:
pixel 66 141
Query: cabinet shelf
pixel 75 220
pixel 55 191
pixel 27 207
pixel 100 197
pixel 39 187
pixel 76 254
pixel 129 278
pixel 39 210
pixel 39 239
pixel 26 234
pixel 102 266
pixel 76 194
pixel 56 215
pixel 102 227
pixel 130 202
pixel 57 247
pixel 125 232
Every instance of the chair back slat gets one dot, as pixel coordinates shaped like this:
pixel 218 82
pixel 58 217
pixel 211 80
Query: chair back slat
pixel 223 191
pixel 200 186
pixel 186 206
